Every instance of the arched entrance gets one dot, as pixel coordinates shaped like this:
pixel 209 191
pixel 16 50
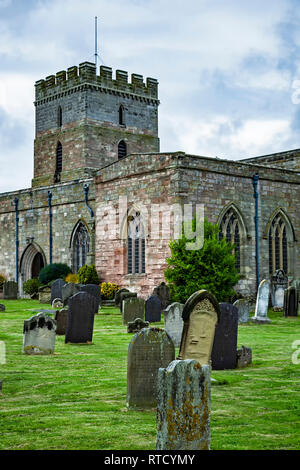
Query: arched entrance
pixel 32 261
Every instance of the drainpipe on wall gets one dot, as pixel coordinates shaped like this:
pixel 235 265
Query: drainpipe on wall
pixel 86 192
pixel 50 226
pixel 255 186
pixel 16 203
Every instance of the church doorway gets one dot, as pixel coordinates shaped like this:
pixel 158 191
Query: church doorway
pixel 32 261
pixel 37 265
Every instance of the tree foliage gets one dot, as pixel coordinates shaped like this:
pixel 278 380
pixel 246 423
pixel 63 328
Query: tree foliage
pixel 53 271
pixel 88 275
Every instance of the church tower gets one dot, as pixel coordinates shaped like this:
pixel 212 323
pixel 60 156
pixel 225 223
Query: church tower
pixel 85 121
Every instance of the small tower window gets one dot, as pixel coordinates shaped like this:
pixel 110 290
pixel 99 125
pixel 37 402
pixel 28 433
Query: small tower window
pixel 59 116
pixel 58 168
pixel 122 150
pixel 121 115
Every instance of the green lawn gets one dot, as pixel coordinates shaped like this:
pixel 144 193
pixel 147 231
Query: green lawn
pixel 76 398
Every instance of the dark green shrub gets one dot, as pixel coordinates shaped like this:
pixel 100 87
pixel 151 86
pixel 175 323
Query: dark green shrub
pixel 212 267
pixel 31 287
pixel 2 280
pixel 53 271
pixel 88 275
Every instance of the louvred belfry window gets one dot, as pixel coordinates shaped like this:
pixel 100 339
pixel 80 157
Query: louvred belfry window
pixel 122 149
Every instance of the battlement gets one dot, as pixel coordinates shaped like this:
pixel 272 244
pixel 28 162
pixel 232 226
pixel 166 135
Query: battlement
pixel 86 73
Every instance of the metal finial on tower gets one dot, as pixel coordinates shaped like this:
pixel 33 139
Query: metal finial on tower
pixel 96 40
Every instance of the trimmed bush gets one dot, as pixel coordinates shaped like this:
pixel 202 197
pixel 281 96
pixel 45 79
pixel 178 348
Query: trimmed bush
pixel 31 287
pixel 72 278
pixel 53 271
pixel 88 275
pixel 108 290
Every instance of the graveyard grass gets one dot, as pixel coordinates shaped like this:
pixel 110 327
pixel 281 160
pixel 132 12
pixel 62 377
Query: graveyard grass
pixel 76 398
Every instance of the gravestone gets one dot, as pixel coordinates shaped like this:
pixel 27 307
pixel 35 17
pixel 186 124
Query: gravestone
pixel 183 406
pixel 223 355
pixel 57 304
pixel 149 349
pixel 243 309
pixel 56 289
pixel 200 315
pixel 61 321
pixel 163 292
pixel 153 309
pixel 94 290
pixel 10 290
pixel 137 325
pixel 68 290
pixel 45 295
pixel 118 296
pixel 262 303
pixel 244 357
pixel 39 335
pixel 2 308
pixel 173 322
pixel 124 296
pixel 80 318
pixel 279 282
pixel 290 302
pixel 133 307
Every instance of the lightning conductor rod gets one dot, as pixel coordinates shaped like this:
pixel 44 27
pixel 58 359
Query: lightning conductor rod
pixel 96 42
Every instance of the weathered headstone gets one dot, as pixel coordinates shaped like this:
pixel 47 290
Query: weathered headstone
pixel 56 289
pixel 80 318
pixel 200 314
pixel 45 295
pixel 262 303
pixel 118 296
pixel 279 282
pixel 124 296
pixel 2 308
pixel 244 357
pixel 243 309
pixel 148 350
pixel 39 335
pixel 94 290
pixel 290 302
pixel 137 325
pixel 163 292
pixel 153 309
pixel 223 355
pixel 61 321
pixel 68 290
pixel 173 322
pixel 57 304
pixel 10 290
pixel 183 406
pixel 133 307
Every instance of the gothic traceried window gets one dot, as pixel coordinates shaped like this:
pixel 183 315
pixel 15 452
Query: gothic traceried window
pixel 229 228
pixel 136 244
pixel 80 247
pixel 278 256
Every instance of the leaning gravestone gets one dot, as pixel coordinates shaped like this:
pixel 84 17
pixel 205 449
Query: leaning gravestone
pixel 80 318
pixel 290 302
pixel 68 290
pixel 279 282
pixel 2 308
pixel 223 355
pixel 56 289
pixel 118 296
pixel 173 322
pixel 183 406
pixel 10 290
pixel 200 314
pixel 137 325
pixel 94 290
pixel 148 350
pixel 39 335
pixel 163 292
pixel 133 307
pixel 153 309
pixel 242 306
pixel 124 296
pixel 61 321
pixel 262 303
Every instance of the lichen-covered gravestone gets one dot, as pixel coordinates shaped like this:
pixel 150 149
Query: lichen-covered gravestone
pixel 243 308
pixel 224 355
pixel 163 292
pixel 200 314
pixel 45 295
pixel 94 290
pixel 57 304
pixel 80 318
pixel 148 350
pixel 183 406
pixel 61 321
pixel 118 296
pixel 124 296
pixel 133 307
pixel 262 303
pixel 279 282
pixel 68 290
pixel 56 289
pixel 153 309
pixel 39 335
pixel 173 322
pixel 290 302
pixel 10 290
pixel 137 325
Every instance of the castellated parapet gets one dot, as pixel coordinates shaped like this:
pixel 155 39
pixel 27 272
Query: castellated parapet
pixel 85 74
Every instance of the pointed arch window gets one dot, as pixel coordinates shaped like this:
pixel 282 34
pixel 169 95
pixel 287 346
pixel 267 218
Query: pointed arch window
pixel 278 247
pixel 230 230
pixel 121 115
pixel 136 244
pixel 80 246
pixel 122 149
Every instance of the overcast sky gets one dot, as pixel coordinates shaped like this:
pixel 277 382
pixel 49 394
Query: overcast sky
pixel 227 70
